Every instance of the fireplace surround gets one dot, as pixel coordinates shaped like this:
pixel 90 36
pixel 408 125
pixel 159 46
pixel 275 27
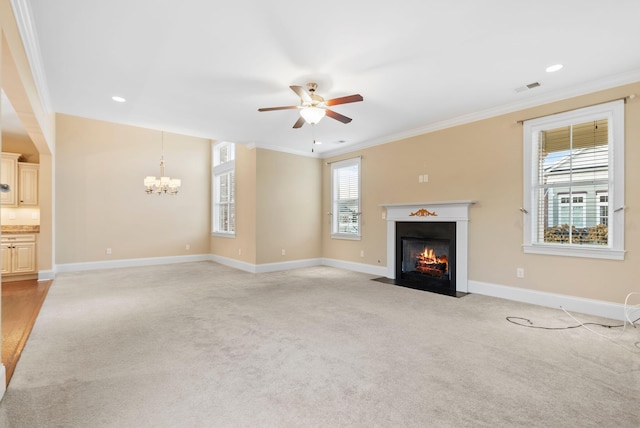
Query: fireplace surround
pixel 448 227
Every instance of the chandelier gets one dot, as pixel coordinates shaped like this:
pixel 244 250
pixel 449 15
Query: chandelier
pixel 163 185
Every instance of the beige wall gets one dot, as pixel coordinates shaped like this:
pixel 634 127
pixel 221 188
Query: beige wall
pixel 483 161
pixel 289 214
pixel 100 198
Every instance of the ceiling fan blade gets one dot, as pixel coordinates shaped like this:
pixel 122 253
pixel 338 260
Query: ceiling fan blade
pixel 337 116
pixel 344 100
pixel 299 122
pixel 302 93
pixel 277 108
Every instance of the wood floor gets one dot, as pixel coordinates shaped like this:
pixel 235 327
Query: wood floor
pixel 21 303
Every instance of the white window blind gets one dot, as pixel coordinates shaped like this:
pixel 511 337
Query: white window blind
pixel 346 199
pixel 573 170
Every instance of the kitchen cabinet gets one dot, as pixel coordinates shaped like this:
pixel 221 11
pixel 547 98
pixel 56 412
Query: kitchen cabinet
pixel 22 179
pixel 9 175
pixel 28 184
pixel 18 254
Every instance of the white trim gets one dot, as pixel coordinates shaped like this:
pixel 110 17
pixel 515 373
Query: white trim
pixel 574 251
pixel 265 267
pixel 236 264
pixel 294 264
pixel 24 19
pixel 3 380
pixel 124 263
pixel 223 235
pixel 356 267
pixel 540 298
pixel 45 275
pixel 551 300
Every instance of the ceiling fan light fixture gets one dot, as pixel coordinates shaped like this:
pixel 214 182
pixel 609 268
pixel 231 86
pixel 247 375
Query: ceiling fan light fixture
pixel 312 114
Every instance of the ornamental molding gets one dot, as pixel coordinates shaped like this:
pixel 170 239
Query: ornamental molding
pixel 423 213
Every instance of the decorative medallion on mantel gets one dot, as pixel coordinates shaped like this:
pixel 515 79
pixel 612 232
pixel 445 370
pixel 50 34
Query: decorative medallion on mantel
pixel 423 213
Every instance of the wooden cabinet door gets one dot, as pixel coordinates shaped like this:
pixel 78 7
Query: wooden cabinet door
pixel 28 184
pixel 5 255
pixel 24 257
pixel 9 175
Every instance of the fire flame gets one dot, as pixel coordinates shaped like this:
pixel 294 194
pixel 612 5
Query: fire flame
pixel 429 256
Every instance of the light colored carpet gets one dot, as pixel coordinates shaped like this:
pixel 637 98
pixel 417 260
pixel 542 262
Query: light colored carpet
pixel 204 345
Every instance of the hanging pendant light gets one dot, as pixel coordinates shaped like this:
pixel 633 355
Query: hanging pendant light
pixel 163 185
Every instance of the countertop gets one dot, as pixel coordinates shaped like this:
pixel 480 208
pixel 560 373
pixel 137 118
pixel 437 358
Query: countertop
pixel 20 229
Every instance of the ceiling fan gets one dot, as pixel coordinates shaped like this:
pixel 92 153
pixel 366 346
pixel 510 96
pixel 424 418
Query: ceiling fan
pixel 313 107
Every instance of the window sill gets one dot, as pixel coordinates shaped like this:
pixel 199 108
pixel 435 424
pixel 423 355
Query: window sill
pixel 575 251
pixel 346 236
pixel 223 235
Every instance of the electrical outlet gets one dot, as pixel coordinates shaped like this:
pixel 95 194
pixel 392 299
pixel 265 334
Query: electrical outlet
pixel 520 272
pixel 425 178
pixel 361 253
pixel 384 215
pixel 108 251
pixel 284 252
pixel 187 247
pixel 420 179
pixel 239 251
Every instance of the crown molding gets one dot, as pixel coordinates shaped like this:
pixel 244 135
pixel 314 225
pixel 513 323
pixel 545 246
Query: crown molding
pixel 571 92
pixel 254 145
pixel 24 20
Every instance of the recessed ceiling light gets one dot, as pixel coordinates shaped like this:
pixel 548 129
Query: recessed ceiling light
pixel 553 68
pixel 118 99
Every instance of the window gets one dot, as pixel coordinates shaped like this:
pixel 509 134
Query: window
pixel 573 169
pixel 224 193
pixel 571 209
pixel 602 202
pixel 345 194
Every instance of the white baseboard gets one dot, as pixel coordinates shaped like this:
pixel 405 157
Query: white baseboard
pixel 297 264
pixel 112 264
pixel 356 267
pixel 236 264
pixel 3 380
pixel 551 300
pixel 294 264
pixel 45 275
pixel 265 267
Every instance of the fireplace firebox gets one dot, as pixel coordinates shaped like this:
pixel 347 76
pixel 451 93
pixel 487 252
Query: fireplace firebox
pixel 426 256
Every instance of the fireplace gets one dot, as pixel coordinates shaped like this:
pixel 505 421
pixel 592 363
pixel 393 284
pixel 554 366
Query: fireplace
pixel 439 228
pixel 426 256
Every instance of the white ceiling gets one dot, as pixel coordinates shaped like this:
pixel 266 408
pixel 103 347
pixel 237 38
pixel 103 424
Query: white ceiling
pixel 204 67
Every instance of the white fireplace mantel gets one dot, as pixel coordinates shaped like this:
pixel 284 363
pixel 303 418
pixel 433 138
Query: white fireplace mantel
pixel 447 211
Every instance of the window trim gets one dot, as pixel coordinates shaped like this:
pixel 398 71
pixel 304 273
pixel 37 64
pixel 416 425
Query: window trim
pixel 614 112
pixel 334 215
pixel 216 171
